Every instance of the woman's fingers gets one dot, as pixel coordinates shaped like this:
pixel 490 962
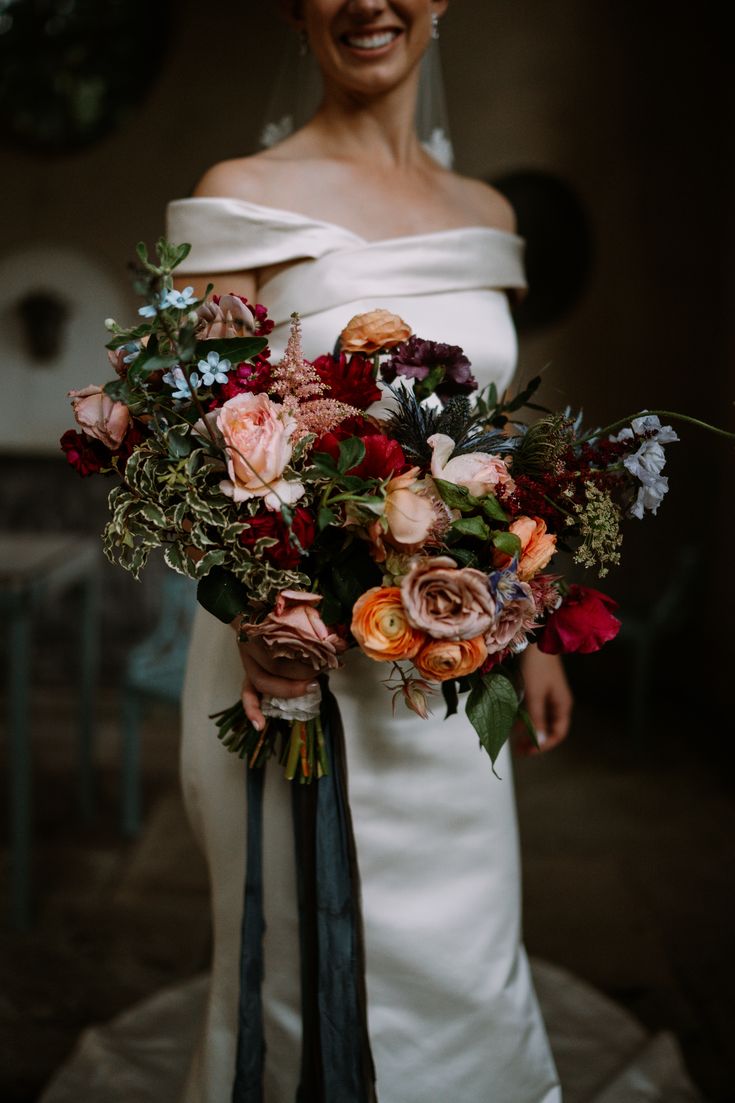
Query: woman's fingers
pixel 251 704
pixel 265 682
pixel 280 668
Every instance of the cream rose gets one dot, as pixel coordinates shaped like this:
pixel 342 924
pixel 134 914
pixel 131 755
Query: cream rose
pixel 100 416
pixel 479 472
pixel 257 436
pixel 447 602
pixel 409 512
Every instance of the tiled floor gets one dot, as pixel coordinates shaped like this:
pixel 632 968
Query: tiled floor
pixel 627 882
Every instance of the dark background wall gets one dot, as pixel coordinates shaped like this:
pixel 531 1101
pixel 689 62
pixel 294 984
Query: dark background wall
pixel 630 104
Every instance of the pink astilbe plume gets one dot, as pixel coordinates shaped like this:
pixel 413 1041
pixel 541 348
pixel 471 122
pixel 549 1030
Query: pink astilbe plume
pixel 300 387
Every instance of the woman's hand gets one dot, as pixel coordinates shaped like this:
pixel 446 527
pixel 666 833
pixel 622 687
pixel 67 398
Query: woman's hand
pixel 274 677
pixel 548 701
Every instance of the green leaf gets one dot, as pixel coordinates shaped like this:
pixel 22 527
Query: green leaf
pixel 179 444
pixel 456 497
pixel 508 543
pixel 522 398
pixel 351 452
pixel 449 693
pixel 524 717
pixel 471 526
pixel 492 707
pixel 119 391
pixel 325 518
pixel 234 349
pixel 464 557
pixel 154 514
pixel 325 465
pixel 222 594
pixel 492 508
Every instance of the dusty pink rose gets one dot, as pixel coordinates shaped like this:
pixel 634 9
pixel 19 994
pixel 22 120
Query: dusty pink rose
pixel 516 618
pixel 229 317
pixel 100 416
pixel 295 631
pixel 479 472
pixel 447 602
pixel 257 435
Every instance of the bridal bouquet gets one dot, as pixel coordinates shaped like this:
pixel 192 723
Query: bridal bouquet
pixel 370 498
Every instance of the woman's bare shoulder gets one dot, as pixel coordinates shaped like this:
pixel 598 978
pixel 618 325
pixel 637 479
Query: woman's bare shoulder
pixel 484 204
pixel 251 178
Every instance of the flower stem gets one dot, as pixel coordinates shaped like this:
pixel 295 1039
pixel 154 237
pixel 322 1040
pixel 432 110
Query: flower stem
pixel 659 413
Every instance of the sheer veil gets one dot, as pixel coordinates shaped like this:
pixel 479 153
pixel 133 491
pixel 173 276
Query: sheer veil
pixel 297 91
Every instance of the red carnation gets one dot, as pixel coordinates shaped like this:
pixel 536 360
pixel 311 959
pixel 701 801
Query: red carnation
pixel 383 457
pixel 254 377
pixel 350 379
pixel 285 554
pixel 583 622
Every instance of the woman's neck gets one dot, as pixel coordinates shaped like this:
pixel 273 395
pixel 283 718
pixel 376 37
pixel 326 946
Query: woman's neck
pixel 380 130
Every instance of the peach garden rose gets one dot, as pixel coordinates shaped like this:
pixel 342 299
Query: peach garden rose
pixel 537 546
pixel 257 435
pixel 373 331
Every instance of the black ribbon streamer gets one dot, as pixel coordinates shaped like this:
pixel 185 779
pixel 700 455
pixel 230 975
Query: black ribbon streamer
pixel 336 1062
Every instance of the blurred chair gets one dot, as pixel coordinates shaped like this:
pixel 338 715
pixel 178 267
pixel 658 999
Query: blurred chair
pixel 154 672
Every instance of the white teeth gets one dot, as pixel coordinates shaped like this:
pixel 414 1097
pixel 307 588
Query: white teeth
pixel 371 42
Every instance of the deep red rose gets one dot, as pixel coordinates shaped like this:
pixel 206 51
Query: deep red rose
pixel 350 379
pixel 284 554
pixel 85 455
pixel 383 457
pixel 583 622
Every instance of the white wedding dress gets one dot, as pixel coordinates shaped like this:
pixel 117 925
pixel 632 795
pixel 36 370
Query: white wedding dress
pixel 452 1012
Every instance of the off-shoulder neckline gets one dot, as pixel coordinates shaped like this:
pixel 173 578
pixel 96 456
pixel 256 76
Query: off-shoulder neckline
pixel 300 218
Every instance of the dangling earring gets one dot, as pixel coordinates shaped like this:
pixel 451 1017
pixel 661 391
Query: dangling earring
pixel 435 26
pixel 303 43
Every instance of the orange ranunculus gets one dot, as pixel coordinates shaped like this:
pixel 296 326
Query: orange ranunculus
pixel 440 660
pixel 371 332
pixel 380 627
pixel 537 546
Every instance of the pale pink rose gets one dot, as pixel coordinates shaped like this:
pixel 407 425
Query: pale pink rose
pixel 295 631
pixel 479 472
pixel 537 546
pixel 100 416
pixel 257 435
pixel 227 318
pixel 516 618
pixel 447 602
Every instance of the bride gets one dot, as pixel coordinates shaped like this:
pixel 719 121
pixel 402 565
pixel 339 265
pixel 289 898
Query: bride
pixel 347 214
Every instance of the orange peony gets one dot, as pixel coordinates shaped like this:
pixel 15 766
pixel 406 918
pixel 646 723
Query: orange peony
pixel 441 660
pixel 380 627
pixel 371 332
pixel 537 547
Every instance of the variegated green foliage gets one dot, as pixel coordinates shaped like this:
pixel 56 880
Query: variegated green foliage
pixel 174 502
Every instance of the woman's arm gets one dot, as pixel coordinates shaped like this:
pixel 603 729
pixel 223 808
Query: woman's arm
pixel 548 700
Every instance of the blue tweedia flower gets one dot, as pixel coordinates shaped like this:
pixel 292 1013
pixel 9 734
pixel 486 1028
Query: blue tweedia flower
pixel 177 380
pixel 182 300
pixel 214 369
pixel 133 352
pixel 151 309
pixel 505 587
